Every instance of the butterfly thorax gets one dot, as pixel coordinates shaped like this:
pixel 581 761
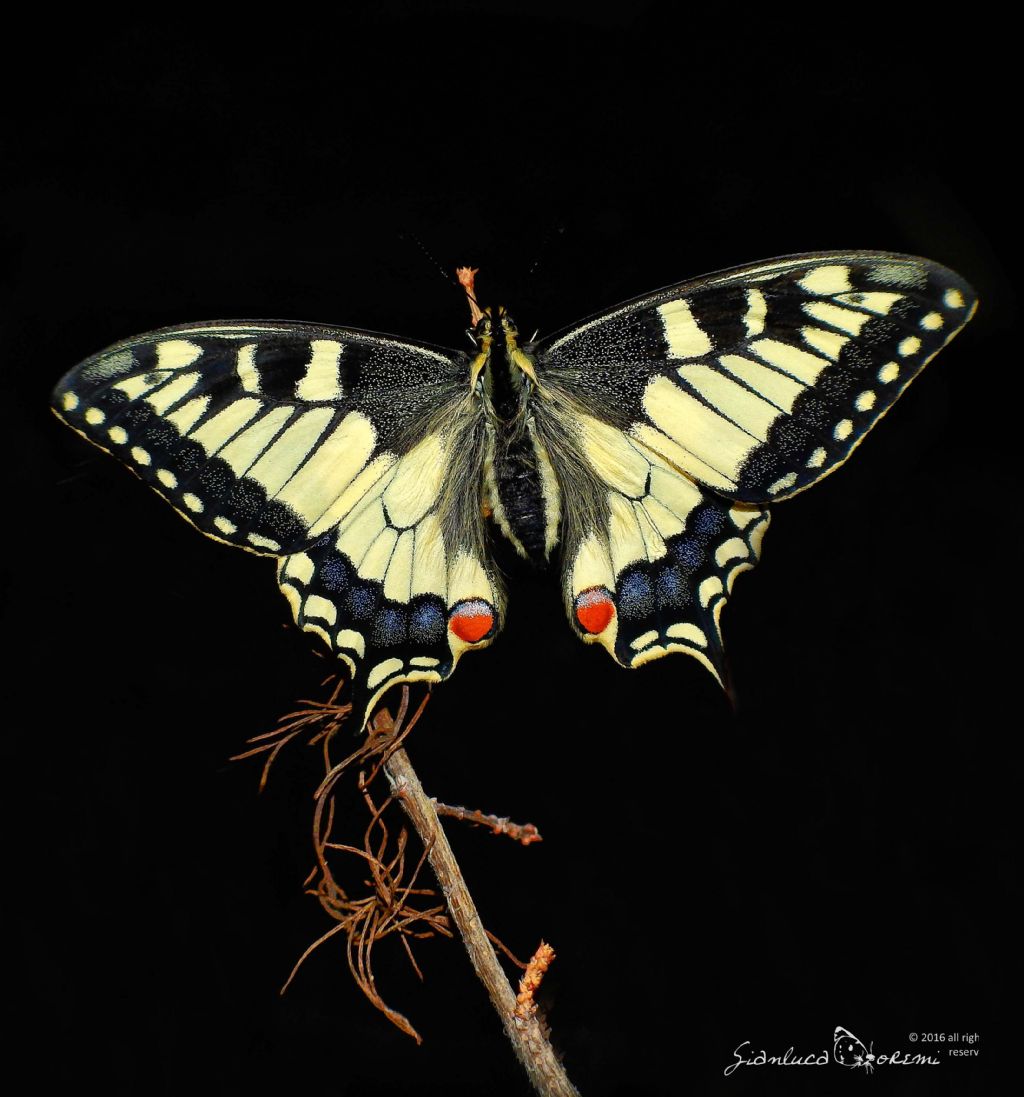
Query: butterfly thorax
pixel 522 492
pixel 505 386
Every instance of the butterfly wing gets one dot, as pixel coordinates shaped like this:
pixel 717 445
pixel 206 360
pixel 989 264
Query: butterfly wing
pixel 758 381
pixel 671 421
pixel 328 449
pixel 848 1050
pixel 648 555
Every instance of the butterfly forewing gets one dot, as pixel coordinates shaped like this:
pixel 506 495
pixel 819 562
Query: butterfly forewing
pixel 329 449
pixel 758 381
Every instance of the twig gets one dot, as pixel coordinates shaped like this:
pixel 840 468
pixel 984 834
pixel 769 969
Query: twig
pixel 395 905
pixel 523 1029
pixel 523 833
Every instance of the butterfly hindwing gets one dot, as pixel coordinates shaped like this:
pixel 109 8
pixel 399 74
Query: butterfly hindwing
pixel 328 448
pixel 649 564
pixel 758 381
pixel 401 586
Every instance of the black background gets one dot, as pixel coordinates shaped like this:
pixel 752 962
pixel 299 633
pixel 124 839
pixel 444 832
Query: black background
pixel 838 850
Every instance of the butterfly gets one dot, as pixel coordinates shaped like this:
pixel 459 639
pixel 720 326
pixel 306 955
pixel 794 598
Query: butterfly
pixel 642 446
pixel 850 1052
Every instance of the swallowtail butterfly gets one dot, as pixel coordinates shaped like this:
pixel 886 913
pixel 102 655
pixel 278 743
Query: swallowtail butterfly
pixel 645 444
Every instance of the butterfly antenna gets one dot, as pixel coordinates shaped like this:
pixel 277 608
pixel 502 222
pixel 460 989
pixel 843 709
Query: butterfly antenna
pixel 427 254
pixel 528 294
pixel 557 229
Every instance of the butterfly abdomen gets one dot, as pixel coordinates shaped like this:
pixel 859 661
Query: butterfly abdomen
pixel 520 482
pixel 524 506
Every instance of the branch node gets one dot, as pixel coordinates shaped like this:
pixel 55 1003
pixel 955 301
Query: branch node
pixel 529 984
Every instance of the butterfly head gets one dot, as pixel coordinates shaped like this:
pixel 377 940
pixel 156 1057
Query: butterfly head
pixel 502 373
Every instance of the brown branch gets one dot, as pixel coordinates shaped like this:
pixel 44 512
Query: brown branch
pixel 523 833
pixel 524 1030
pixel 388 908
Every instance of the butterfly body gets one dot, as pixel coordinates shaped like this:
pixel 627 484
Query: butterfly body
pixel 524 502
pixel 645 443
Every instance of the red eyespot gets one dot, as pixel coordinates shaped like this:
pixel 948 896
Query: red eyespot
pixel 594 609
pixel 472 620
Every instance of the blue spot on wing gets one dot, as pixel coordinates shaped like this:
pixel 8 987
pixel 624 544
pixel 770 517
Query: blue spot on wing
pixel 635 597
pixel 389 627
pixel 334 574
pixel 361 602
pixel 671 588
pixel 708 521
pixel 428 623
pixel 688 554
